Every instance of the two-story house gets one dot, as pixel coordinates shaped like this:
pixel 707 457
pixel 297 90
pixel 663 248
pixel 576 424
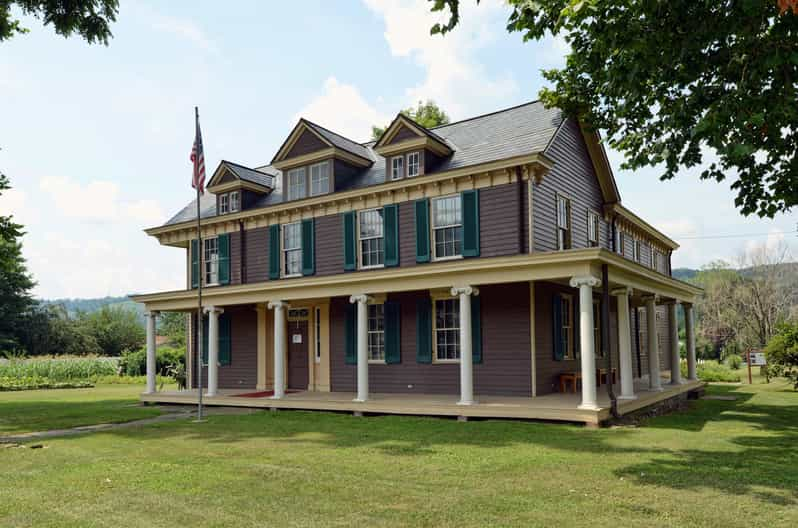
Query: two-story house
pixel 482 268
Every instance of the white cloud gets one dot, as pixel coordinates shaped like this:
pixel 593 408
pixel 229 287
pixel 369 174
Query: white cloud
pixel 454 78
pixel 98 201
pixel 185 29
pixel 343 109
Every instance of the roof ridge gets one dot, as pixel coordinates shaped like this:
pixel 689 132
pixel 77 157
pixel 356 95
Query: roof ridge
pixel 332 132
pixel 485 115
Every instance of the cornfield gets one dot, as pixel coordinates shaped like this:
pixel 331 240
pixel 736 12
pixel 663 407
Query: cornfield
pixel 60 369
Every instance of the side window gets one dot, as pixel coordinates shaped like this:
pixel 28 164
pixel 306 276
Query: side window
pixel 597 328
pixel 292 249
pixel 592 229
pixel 447 227
pixel 224 204
pixel 566 334
pixel 636 247
pixel 211 261
pixel 413 164
pixel 376 332
pixel 397 167
pixel 447 329
pixel 297 187
pixel 320 178
pixel 235 201
pixel 563 223
pixel 371 238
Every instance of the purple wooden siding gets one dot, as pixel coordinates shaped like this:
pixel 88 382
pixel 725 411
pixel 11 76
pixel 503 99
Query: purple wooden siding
pixel 402 134
pixel 498 220
pixel 407 234
pixel 242 372
pixel 235 257
pixel 308 142
pixel 257 255
pixel 329 245
pixel 506 364
pixel 574 177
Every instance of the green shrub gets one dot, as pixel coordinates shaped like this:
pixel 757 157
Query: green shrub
pixel 37 382
pixel 130 380
pixel 134 362
pixel 714 371
pixel 733 361
pixel 61 369
pixel 782 353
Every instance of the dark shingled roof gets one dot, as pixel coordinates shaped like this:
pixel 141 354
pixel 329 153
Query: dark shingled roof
pixel 252 175
pixel 517 131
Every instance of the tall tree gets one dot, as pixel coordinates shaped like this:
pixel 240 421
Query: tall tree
pixel 91 19
pixel 426 114
pixel 679 84
pixel 15 281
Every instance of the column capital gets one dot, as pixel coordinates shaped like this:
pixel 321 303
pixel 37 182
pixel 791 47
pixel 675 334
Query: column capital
pixel 671 302
pixel 464 290
pixel 653 297
pixel 213 309
pixel 360 298
pixel 277 304
pixel 624 290
pixel 152 313
pixel 586 280
pixel 261 308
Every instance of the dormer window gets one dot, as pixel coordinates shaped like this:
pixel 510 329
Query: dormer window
pixel 235 201
pixel 320 178
pixel 397 167
pixel 413 164
pixel 296 184
pixel 224 204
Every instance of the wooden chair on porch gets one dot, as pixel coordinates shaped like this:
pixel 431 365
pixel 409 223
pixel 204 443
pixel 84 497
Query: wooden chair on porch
pixel 571 378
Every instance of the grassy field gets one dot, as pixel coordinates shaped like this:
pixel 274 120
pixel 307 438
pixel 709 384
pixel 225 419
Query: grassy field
pixel 25 411
pixel 722 463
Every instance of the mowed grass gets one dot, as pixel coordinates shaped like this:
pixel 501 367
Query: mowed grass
pixel 722 463
pixel 38 410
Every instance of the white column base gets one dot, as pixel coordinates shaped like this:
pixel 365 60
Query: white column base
pixel 628 398
pixel 471 402
pixel 588 407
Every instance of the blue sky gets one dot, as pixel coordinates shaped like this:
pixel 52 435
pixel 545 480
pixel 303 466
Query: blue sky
pixel 96 139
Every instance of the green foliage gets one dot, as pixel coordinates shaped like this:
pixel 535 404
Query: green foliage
pixel 426 114
pixel 782 353
pixel 167 360
pixel 38 382
pixel 130 380
pixel 48 330
pixel 59 369
pixel 714 371
pixel 733 361
pixel 115 328
pixel 678 85
pixel 173 326
pixel 91 19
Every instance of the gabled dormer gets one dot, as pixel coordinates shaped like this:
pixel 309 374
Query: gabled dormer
pixel 316 161
pixel 410 149
pixel 238 187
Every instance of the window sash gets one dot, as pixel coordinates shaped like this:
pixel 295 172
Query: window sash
pixel 447 227
pixel 636 250
pixel 224 207
pixel 376 332
pixel 292 249
pixel 593 229
pixel 297 187
pixel 563 223
pixel 567 326
pixel 320 178
pixel 413 164
pixel 371 234
pixel 397 167
pixel 235 201
pixel 447 329
pixel 211 260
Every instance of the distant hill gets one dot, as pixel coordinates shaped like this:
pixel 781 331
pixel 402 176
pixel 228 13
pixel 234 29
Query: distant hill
pixel 684 274
pixel 73 306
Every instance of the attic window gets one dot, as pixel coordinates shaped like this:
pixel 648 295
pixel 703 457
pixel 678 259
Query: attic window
pixel 296 184
pixel 235 201
pixel 397 167
pixel 320 178
pixel 413 164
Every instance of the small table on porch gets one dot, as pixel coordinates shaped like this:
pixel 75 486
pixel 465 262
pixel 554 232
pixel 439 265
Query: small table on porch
pixel 601 376
pixel 569 378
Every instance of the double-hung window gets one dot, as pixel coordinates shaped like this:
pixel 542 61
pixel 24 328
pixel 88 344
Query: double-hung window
pixel 292 249
pixel 297 186
pixel 372 242
pixel 211 259
pixel 567 307
pixel 447 330
pixel 320 178
pixel 636 253
pixel 592 229
pixel 397 167
pixel 235 201
pixel 376 332
pixel 563 223
pixel 224 204
pixel 413 164
pixel 447 227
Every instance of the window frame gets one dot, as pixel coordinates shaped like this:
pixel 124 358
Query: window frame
pixel 224 204
pixel 637 254
pixel 433 227
pixel 317 336
pixel 593 222
pixel 378 307
pixel 401 160
pixel 284 251
pixel 235 205
pixel 567 242
pixel 569 352
pixel 293 172
pixel 409 156
pixel 319 166
pixel 211 264
pixel 435 300
pixel 360 239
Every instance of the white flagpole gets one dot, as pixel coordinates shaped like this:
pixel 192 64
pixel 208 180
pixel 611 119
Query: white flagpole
pixel 199 279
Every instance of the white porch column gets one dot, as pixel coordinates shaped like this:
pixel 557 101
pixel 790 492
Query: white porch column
pixel 690 338
pixel 362 302
pixel 673 327
pixel 466 346
pixel 213 349
pixel 151 365
pixel 587 346
pixel 654 381
pixel 625 344
pixel 280 349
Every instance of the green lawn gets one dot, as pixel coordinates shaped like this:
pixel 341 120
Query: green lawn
pixel 723 463
pixel 37 410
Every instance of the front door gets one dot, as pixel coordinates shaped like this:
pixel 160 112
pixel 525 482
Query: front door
pixel 298 353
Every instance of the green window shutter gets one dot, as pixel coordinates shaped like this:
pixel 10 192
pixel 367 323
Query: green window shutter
pixel 424 331
pixel 274 251
pixel 556 323
pixel 476 329
pixel 470 209
pixel 393 316
pixel 224 258
pixel 350 335
pixel 194 263
pixel 225 357
pixel 350 241
pixel 390 214
pixel 308 247
pixel 422 230
pixel 205 332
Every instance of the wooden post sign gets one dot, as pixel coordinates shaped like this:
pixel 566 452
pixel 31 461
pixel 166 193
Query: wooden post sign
pixel 755 359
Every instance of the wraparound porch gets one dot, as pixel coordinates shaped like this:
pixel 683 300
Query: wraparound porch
pixel 555 407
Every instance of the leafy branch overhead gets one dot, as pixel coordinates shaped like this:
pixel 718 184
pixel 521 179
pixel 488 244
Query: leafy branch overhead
pixel 426 114
pixel 91 19
pixel 682 84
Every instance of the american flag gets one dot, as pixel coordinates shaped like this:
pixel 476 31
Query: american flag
pixel 198 158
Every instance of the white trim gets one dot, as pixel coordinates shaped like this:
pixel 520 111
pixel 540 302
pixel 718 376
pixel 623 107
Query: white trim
pixel 435 299
pixel 433 246
pixel 417 154
pixel 361 239
pixel 294 172
pixel 325 163
pixel 283 251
